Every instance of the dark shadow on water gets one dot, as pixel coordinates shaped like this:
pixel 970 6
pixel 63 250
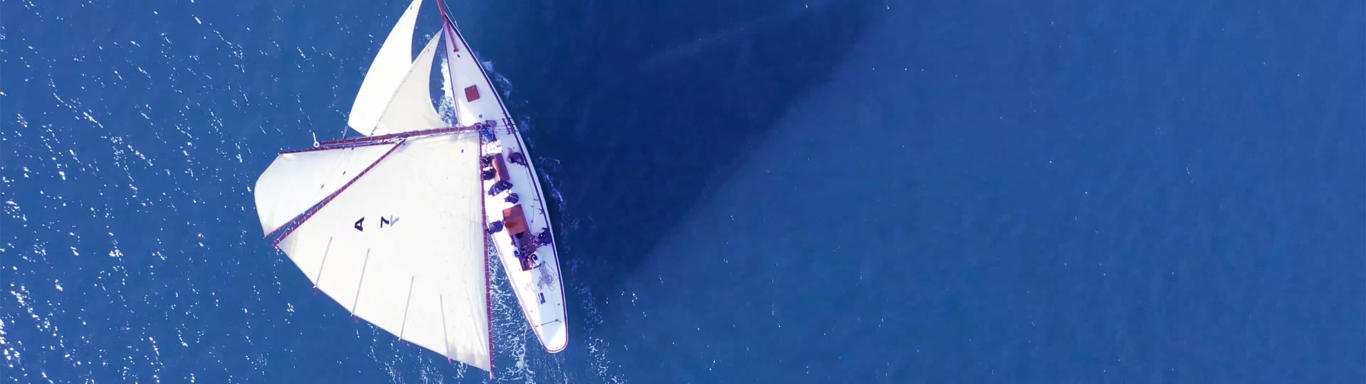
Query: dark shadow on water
pixel 639 111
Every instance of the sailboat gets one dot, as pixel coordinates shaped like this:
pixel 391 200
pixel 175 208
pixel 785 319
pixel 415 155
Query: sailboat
pixel 395 225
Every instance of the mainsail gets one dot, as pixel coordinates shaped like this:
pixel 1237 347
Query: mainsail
pixel 386 72
pixel 402 245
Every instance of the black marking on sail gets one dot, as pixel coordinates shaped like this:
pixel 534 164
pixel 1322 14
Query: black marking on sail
pixel 389 221
pixel 360 224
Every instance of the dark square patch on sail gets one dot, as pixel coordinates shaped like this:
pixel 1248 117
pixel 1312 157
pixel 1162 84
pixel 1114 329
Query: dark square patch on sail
pixel 471 93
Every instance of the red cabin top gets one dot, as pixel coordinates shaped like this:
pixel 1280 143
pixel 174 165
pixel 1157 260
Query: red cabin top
pixel 514 221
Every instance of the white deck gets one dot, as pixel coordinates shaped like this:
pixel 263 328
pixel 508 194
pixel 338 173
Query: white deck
pixel 540 291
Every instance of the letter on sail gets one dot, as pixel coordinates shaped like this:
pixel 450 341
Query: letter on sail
pixel 402 244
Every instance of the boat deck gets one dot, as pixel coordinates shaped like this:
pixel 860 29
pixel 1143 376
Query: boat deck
pixel 538 288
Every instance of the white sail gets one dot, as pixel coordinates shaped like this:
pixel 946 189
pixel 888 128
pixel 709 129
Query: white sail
pixel 411 108
pixel 296 181
pixel 403 247
pixel 386 73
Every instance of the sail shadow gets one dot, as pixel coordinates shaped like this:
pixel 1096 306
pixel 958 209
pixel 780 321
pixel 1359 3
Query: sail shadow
pixel 643 110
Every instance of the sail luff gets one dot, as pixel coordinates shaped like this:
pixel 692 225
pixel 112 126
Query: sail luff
pixel 386 72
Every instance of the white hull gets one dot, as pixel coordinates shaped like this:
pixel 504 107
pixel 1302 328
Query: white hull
pixel 539 289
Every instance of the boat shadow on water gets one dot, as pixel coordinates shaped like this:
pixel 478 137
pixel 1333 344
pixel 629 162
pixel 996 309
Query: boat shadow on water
pixel 640 111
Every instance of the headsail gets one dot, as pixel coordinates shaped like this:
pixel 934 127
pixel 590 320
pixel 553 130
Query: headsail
pixel 402 247
pixel 411 108
pixel 386 72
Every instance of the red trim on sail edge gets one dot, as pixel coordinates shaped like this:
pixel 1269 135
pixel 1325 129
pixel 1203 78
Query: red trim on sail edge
pixel 329 198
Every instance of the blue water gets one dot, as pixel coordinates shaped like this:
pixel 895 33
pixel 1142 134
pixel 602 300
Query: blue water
pixel 815 191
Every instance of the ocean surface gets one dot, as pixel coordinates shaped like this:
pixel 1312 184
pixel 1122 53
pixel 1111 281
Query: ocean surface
pixel 754 191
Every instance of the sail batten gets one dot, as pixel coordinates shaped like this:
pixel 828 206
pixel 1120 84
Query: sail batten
pixel 386 72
